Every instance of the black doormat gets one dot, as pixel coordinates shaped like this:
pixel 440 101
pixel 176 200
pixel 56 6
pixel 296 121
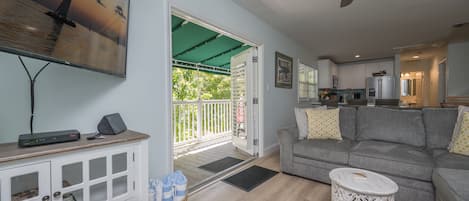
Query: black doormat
pixel 250 178
pixel 220 165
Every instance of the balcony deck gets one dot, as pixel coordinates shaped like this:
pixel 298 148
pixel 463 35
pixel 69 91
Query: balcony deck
pixel 202 133
pixel 190 162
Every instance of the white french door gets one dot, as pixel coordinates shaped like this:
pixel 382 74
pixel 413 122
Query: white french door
pixel 244 100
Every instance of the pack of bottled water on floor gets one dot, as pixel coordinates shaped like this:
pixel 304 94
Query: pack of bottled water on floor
pixel 173 187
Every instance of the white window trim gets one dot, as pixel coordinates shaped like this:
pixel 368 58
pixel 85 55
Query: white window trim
pixel 307 99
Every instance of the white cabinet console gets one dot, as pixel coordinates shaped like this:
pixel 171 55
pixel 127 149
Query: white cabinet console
pixel 110 169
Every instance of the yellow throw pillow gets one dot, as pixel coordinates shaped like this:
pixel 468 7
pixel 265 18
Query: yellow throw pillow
pixel 461 143
pixel 323 124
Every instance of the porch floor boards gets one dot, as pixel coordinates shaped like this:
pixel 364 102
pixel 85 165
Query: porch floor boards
pixel 189 164
pixel 281 187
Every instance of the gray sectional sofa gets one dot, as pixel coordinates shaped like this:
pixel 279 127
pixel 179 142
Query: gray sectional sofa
pixel 408 146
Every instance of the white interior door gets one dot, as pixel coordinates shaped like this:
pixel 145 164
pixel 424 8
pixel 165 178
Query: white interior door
pixel 244 100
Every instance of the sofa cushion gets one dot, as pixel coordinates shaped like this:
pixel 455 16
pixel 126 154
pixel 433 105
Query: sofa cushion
pixel 438 152
pixel 324 150
pixel 452 161
pixel 394 159
pixel 348 122
pixel 439 125
pixel 451 184
pixel 401 126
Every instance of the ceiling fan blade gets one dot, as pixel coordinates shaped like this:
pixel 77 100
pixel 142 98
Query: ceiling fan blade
pixel 344 3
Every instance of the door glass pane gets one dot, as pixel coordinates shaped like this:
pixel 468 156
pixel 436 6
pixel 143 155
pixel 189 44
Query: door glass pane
pixel 72 174
pixel 25 186
pixel 119 163
pixel 73 196
pixel 312 91
pixel 302 74
pixel 98 192
pixel 119 186
pixel 303 90
pixel 97 168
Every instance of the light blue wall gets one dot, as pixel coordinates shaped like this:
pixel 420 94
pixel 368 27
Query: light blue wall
pixel 458 69
pixel 74 98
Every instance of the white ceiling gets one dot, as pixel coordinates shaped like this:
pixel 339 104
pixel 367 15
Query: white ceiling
pixel 371 28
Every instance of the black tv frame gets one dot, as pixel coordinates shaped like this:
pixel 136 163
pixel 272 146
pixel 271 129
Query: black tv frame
pixel 64 62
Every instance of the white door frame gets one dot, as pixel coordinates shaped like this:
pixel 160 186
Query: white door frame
pixel 173 10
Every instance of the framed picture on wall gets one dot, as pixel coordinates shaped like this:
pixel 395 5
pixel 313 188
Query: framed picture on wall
pixel 283 71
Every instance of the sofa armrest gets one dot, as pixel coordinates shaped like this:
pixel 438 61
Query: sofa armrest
pixel 287 137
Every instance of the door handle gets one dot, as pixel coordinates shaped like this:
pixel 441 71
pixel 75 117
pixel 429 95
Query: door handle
pixel 46 198
pixel 57 194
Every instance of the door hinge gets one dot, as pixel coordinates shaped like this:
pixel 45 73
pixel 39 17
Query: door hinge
pixel 255 59
pixel 256 142
pixel 133 156
pixel 255 101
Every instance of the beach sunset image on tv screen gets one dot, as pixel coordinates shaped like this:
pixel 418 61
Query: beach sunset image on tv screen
pixel 87 33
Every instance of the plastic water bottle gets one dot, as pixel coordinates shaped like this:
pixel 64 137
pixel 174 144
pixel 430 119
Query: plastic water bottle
pixel 155 190
pixel 168 189
pixel 180 185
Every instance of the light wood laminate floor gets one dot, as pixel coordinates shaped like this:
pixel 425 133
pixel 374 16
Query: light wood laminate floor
pixel 189 164
pixel 281 187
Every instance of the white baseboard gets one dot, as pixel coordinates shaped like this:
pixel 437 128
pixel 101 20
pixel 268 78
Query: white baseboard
pixel 271 149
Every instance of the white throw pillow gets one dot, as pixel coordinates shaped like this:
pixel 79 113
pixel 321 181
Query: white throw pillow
pixel 457 127
pixel 302 120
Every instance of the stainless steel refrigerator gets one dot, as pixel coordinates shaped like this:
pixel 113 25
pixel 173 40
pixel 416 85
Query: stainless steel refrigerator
pixel 381 87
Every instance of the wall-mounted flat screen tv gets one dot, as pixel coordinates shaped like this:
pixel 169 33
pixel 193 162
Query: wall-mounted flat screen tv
pixel 90 34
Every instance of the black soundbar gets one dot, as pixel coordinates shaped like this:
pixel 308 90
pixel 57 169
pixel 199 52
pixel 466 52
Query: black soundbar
pixel 37 139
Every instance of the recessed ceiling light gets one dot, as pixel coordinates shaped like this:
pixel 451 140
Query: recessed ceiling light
pixel 416 57
pixel 357 56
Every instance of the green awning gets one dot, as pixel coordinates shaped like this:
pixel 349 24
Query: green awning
pixel 198 45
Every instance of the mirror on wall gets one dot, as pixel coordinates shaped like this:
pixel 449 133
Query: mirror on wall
pixel 408 87
pixel 411 83
pixel 412 88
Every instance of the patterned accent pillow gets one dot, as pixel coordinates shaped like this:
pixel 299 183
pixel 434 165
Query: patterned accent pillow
pixel 302 120
pixel 324 124
pixel 457 127
pixel 461 143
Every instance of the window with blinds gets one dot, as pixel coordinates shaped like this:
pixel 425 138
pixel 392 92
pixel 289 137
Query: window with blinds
pixel 307 83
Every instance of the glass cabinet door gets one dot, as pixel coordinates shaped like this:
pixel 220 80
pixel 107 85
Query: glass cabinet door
pixel 26 183
pixel 95 176
pixel 68 179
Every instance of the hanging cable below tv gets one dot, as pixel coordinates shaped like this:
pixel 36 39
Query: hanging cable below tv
pixel 36 139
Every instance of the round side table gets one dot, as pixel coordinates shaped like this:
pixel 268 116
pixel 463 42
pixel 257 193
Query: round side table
pixel 350 184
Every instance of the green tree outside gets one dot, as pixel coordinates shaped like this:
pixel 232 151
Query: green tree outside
pixel 188 83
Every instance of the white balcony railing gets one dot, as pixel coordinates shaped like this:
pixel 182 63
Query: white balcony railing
pixel 196 121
